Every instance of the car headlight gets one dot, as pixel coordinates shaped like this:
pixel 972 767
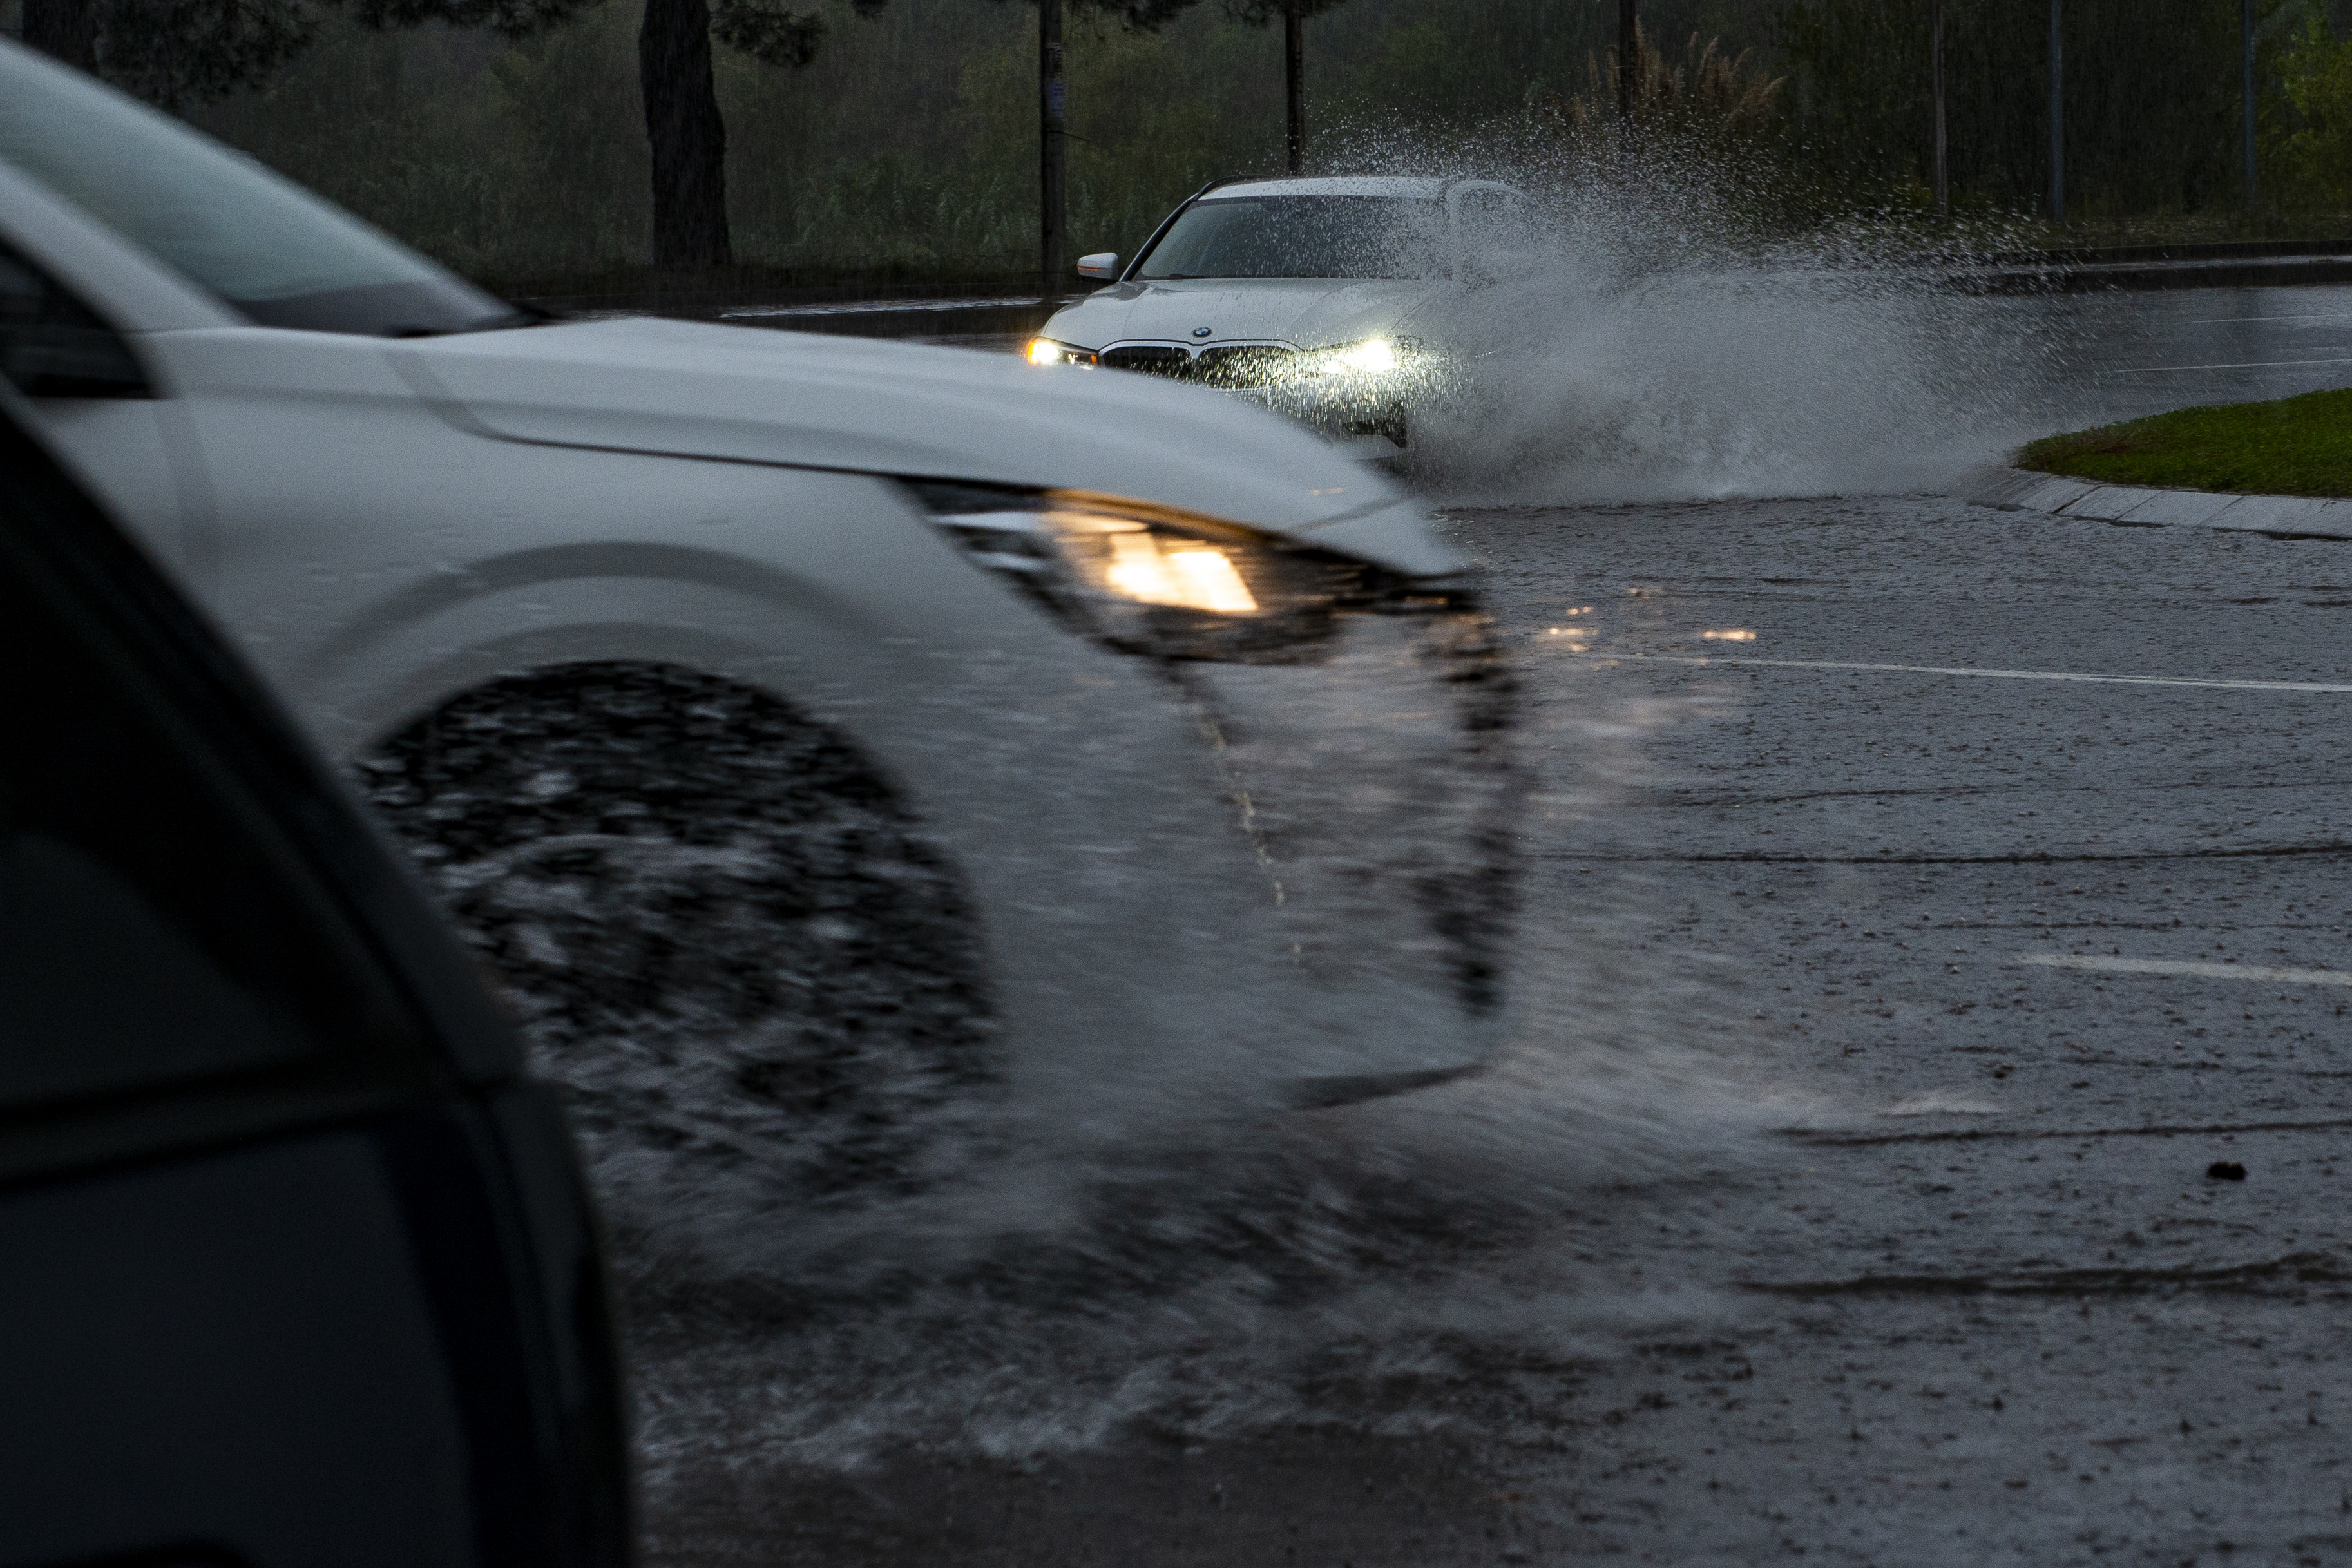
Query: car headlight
pixel 1157 581
pixel 1046 350
pixel 1373 356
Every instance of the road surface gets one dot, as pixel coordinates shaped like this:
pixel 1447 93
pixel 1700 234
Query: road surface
pixel 1906 957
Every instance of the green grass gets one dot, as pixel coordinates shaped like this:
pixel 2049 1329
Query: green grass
pixel 2294 446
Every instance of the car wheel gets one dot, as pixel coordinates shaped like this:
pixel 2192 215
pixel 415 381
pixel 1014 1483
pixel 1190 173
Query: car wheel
pixel 722 930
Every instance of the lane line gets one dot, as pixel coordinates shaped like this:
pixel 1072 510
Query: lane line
pixel 2315 316
pixel 2181 966
pixel 1986 674
pixel 2250 364
pixel 1825 1139
pixel 1888 857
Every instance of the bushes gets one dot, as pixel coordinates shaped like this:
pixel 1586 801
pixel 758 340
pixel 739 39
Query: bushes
pixel 2311 146
pixel 2152 97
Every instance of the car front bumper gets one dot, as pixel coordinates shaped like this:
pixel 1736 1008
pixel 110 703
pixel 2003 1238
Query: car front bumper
pixel 1379 789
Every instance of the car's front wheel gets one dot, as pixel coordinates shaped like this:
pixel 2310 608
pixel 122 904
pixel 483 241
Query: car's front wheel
pixel 723 931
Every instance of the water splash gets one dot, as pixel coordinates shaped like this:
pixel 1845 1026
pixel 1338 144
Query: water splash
pixel 1673 331
pixel 1361 1266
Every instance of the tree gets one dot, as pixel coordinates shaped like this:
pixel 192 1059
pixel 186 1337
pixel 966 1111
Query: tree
pixel 683 126
pixel 1053 227
pixel 180 51
pixel 66 28
pixel 1294 14
pixel 684 129
pixel 172 52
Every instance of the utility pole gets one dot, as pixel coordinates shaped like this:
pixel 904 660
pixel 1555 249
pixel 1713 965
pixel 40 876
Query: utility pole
pixel 2246 33
pixel 1052 150
pixel 1629 62
pixel 1294 80
pixel 1935 90
pixel 2057 119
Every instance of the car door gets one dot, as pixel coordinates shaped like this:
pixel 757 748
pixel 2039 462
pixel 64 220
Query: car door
pixel 297 1266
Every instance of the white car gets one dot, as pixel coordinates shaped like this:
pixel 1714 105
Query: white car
pixel 1321 298
pixel 821 737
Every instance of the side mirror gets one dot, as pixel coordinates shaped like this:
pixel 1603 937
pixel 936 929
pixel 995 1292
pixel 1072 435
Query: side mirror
pixel 1102 266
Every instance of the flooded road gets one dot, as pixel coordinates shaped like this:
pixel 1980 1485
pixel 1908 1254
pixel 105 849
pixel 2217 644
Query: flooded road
pixel 1926 1141
pixel 1960 1289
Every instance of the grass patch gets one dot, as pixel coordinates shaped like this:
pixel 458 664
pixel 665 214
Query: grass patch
pixel 2293 447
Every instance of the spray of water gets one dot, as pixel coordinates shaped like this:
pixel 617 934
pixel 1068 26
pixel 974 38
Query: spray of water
pixel 1359 1266
pixel 1682 324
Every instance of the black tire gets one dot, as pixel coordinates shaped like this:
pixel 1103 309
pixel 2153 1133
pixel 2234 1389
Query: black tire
pixel 723 933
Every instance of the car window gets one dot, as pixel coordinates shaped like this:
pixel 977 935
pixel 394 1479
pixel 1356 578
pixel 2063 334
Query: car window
pixel 1497 240
pixel 1302 236
pixel 260 243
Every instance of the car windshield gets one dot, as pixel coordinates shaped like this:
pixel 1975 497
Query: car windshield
pixel 262 244
pixel 1303 237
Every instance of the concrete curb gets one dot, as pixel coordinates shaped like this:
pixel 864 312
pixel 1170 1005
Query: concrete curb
pixel 901 318
pixel 2306 517
pixel 2262 272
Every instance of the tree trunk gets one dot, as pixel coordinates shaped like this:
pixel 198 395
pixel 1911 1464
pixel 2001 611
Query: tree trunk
pixel 2057 118
pixel 1936 91
pixel 1053 202
pixel 2246 21
pixel 688 137
pixel 1294 83
pixel 1628 60
pixel 64 28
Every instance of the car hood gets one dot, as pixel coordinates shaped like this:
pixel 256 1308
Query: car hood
pixel 1307 312
pixel 865 405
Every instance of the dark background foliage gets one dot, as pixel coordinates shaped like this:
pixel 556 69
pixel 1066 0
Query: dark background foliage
pixel 513 143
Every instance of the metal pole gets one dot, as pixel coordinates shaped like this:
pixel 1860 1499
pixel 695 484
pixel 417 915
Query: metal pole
pixel 1628 59
pixel 1935 89
pixel 1294 80
pixel 2246 30
pixel 2057 119
pixel 1052 101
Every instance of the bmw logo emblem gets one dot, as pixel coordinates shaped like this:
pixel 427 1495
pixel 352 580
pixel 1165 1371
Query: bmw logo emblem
pixel 1199 332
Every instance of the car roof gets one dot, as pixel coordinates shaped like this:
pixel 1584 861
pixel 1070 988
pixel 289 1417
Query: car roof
pixel 1403 187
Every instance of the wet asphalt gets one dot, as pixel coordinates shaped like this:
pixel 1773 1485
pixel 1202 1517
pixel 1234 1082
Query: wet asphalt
pixel 1997 1308
pixel 1973 1297
pixel 1969 1291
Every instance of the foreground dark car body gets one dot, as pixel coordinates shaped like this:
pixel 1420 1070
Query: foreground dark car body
pixel 299 1268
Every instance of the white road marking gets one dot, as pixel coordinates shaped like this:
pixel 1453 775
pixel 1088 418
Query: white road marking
pixel 2250 364
pixel 1987 674
pixel 2173 966
pixel 2318 316
pixel 2313 316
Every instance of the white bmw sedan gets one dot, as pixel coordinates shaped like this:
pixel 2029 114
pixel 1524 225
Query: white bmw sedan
pixel 1318 298
pixel 817 737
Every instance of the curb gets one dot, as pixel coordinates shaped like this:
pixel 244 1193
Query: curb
pixel 901 318
pixel 2247 273
pixel 2281 517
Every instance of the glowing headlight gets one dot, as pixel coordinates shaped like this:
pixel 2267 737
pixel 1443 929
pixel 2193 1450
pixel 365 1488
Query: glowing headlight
pixel 1372 356
pixel 1046 350
pixel 1153 579
pixel 1151 569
